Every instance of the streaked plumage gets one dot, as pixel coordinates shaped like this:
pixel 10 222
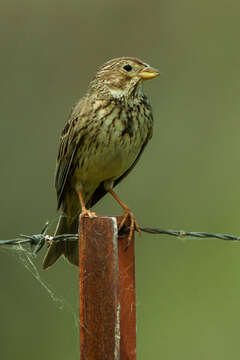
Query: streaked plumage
pixel 103 139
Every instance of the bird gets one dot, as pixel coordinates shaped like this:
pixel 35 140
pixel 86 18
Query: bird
pixel 101 142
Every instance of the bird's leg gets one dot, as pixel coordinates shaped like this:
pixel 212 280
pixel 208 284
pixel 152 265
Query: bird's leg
pixel 127 213
pixel 85 211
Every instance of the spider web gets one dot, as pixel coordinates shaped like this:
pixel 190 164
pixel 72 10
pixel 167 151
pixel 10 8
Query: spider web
pixel 27 259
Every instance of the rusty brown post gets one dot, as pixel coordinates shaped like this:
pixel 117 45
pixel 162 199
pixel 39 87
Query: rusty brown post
pixel 107 291
pixel 127 295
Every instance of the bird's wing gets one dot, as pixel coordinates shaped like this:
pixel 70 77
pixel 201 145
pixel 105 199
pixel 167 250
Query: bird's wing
pixel 100 191
pixel 69 142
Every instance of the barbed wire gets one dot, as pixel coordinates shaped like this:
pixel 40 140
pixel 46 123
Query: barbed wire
pixel 194 234
pixel 37 241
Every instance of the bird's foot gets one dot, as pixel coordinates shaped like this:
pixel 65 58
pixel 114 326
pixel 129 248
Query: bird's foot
pixel 128 214
pixel 89 213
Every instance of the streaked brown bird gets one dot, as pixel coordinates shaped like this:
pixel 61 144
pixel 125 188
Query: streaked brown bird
pixel 100 144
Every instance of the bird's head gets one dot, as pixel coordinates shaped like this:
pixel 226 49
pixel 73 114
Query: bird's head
pixel 120 78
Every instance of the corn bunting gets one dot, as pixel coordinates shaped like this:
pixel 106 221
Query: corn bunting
pixel 100 144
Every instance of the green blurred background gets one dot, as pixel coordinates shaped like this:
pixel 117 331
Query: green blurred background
pixel 188 292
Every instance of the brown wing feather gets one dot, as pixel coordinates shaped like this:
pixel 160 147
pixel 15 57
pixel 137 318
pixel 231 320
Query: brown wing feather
pixel 70 139
pixel 62 172
pixel 100 191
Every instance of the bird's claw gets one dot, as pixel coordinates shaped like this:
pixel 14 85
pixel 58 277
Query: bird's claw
pixel 128 214
pixel 89 213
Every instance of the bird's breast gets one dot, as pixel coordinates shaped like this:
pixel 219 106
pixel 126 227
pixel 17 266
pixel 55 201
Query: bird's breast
pixel 112 144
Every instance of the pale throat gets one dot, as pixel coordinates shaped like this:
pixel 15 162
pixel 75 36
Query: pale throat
pixel 126 92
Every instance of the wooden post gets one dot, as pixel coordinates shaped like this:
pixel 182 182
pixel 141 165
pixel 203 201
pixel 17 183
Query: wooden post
pixel 127 295
pixel 107 291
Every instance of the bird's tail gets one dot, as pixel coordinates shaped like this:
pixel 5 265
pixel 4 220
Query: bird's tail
pixel 68 248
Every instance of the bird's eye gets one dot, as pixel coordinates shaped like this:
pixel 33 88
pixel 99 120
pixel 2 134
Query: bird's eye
pixel 127 67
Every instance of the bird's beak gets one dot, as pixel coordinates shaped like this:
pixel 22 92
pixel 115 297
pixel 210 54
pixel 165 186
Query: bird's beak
pixel 148 73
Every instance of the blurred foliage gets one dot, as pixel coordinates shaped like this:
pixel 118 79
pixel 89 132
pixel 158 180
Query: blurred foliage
pixel 187 291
